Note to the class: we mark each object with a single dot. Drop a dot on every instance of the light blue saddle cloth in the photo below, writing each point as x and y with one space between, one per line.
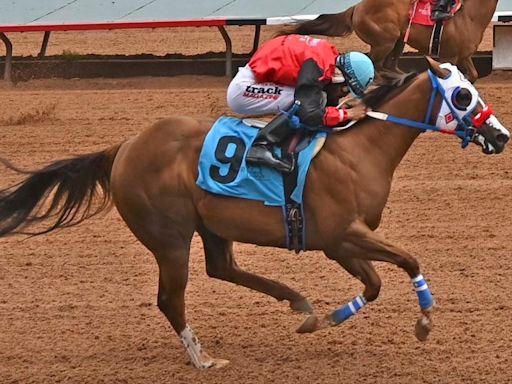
222 167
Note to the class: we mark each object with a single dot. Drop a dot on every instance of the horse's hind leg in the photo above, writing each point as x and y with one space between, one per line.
382 38
167 234
392 59
468 68
173 279
221 264
362 270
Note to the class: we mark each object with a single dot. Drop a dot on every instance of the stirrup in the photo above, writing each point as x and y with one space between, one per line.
261 154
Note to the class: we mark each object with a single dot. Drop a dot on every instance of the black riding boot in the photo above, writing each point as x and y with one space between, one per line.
441 10
261 152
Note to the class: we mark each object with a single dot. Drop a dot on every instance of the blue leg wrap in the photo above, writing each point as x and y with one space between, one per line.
348 310
425 297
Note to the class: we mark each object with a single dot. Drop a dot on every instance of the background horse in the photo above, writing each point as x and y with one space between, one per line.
151 180
382 25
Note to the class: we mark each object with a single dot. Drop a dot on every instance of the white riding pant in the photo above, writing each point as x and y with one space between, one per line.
248 97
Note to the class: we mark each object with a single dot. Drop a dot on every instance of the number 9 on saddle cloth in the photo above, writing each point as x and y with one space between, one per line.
224 171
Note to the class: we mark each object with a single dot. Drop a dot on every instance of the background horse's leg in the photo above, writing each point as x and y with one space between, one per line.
379 53
467 67
363 243
221 264
392 59
381 37
362 270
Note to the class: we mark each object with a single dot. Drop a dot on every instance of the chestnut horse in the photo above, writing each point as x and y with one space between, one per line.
382 24
151 179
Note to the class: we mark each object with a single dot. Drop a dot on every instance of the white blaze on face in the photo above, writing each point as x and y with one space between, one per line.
491 121
494 122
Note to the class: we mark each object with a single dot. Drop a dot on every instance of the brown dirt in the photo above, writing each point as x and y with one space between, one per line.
78 306
187 41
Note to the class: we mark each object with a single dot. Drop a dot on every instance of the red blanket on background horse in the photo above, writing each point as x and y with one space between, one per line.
421 10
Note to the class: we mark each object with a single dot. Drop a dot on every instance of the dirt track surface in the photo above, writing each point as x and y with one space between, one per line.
79 305
187 41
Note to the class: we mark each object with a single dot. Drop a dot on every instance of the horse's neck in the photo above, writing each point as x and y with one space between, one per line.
390 142
480 11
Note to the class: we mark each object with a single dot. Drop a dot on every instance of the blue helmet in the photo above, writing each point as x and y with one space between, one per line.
358 71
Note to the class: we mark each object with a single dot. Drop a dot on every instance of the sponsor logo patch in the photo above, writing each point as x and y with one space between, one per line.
271 92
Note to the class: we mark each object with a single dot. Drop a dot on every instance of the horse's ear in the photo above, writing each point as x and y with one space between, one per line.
436 68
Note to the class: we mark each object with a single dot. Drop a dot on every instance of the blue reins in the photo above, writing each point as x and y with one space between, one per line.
466 134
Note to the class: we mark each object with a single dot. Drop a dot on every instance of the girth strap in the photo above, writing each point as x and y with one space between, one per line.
293 212
435 40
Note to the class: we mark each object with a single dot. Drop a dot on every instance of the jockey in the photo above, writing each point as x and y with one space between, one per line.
302 68
441 10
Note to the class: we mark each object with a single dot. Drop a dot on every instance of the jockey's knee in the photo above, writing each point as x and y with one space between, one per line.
236 105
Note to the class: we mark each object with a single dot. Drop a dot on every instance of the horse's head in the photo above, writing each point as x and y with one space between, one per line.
463 111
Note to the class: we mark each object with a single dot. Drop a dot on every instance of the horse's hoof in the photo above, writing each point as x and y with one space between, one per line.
213 363
302 306
309 325
206 362
219 363
423 328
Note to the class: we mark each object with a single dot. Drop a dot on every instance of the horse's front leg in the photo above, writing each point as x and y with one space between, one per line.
467 67
364 244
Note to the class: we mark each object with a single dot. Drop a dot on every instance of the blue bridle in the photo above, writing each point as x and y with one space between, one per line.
467 131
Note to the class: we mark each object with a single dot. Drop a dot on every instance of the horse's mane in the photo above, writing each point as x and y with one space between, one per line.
391 82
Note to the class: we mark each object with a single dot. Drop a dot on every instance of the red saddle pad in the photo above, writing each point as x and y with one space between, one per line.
421 10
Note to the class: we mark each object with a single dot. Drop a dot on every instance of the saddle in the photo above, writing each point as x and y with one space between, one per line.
223 170
294 144
293 211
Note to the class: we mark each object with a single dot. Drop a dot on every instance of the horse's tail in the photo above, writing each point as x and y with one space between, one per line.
330 24
65 192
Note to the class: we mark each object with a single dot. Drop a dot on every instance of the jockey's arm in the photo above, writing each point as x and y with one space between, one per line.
309 91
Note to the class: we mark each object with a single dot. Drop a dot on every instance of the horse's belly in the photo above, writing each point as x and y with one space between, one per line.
242 220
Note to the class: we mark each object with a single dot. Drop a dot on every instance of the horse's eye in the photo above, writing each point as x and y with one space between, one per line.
461 98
